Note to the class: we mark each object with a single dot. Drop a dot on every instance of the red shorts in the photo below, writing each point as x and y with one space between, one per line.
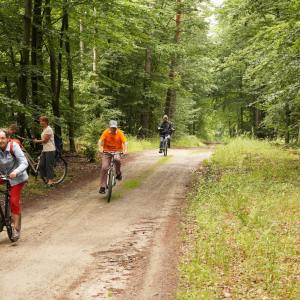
15 194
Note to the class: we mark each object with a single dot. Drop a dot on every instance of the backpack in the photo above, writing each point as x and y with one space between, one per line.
11 144
58 143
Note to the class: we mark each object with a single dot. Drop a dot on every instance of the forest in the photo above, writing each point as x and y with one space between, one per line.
83 63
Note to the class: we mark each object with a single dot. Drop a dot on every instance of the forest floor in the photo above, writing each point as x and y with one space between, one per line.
75 245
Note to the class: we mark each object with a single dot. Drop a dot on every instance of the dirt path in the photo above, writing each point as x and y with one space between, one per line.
77 246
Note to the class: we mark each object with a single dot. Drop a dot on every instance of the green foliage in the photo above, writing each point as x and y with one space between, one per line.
257 67
241 230
90 152
120 88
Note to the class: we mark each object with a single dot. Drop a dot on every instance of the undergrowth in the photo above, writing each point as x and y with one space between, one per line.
241 230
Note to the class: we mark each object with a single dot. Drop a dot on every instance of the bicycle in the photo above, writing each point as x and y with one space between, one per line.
111 173
60 165
165 144
6 219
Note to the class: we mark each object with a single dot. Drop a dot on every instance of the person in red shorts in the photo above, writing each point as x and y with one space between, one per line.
13 163
113 140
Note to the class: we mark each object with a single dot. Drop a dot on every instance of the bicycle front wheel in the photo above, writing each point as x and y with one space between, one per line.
165 148
110 185
60 170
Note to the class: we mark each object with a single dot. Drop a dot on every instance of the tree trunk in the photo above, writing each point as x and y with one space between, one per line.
171 93
71 88
170 100
24 63
36 57
242 119
257 113
95 64
287 124
144 114
145 108
56 100
81 42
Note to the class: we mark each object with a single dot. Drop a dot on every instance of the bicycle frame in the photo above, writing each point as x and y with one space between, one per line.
34 165
111 173
166 139
111 170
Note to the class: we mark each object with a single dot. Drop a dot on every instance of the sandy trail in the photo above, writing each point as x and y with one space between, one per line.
75 245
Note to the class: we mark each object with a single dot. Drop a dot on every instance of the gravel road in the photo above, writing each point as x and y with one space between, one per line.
75 245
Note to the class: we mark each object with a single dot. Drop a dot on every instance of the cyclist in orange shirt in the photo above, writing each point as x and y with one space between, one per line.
113 139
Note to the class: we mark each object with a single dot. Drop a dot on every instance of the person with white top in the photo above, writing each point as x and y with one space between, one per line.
46 166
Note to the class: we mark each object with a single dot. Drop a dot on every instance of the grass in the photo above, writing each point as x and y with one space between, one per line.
136 145
241 231
188 141
131 184
165 159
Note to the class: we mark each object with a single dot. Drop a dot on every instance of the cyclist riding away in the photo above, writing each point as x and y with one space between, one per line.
113 138
165 127
14 164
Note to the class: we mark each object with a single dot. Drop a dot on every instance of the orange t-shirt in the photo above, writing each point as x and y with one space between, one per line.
113 141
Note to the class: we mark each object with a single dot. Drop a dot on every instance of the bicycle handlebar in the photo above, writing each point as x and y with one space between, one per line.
5 177
113 153
24 139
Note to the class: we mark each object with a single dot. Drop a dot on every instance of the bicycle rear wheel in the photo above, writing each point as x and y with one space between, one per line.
110 185
60 170
165 148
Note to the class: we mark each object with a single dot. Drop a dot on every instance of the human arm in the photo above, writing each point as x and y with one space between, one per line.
43 141
172 127
159 126
125 148
20 157
100 149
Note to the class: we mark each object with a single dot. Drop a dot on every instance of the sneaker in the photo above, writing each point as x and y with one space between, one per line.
102 190
119 177
15 234
160 151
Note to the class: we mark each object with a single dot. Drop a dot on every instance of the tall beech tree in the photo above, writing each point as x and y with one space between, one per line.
24 63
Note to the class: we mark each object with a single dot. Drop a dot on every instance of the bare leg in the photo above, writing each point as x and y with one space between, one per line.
16 221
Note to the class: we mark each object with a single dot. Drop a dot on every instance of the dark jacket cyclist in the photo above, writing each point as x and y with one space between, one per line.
166 127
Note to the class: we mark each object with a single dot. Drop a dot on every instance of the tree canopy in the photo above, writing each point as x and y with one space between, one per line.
84 62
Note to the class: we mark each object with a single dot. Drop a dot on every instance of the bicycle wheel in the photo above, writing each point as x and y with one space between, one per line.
110 185
60 170
165 148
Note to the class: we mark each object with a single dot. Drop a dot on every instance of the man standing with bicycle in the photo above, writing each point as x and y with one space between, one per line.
165 127
113 140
